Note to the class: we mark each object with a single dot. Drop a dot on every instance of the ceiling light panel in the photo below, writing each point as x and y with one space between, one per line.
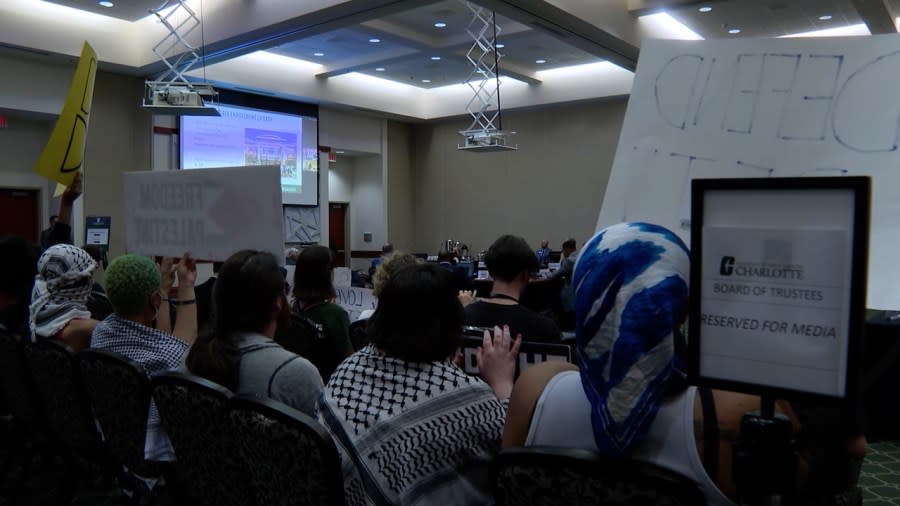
773 18
128 10
343 46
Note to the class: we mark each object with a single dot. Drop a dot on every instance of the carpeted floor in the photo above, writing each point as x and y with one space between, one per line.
880 478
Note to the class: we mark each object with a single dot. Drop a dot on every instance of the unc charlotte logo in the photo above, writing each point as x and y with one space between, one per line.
726 266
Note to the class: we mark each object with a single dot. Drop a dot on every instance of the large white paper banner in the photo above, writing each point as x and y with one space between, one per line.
210 213
763 108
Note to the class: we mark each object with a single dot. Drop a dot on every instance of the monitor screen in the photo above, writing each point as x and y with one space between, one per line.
243 136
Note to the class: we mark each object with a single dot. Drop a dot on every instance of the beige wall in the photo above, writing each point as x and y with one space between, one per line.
21 144
551 188
118 141
400 186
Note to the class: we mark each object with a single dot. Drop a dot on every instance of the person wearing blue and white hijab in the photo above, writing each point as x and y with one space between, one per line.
628 397
59 297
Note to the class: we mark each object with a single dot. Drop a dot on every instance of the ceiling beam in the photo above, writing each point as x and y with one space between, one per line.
877 14
516 72
568 28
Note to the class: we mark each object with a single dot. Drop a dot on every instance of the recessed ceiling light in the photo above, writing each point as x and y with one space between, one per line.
541 61
318 54
379 69
105 3
499 45
426 80
339 152
826 17
374 40
435 58
705 8
734 31
440 24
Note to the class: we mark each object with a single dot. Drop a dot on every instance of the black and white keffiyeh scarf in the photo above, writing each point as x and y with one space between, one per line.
411 433
61 289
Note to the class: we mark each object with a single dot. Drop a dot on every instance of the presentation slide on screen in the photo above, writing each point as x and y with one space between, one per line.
246 137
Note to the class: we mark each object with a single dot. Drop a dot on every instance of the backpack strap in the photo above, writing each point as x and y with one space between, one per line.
275 373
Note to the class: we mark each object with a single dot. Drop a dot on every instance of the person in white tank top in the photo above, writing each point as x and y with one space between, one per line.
628 398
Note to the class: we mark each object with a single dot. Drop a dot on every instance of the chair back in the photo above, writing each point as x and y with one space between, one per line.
15 383
291 458
99 306
62 397
194 412
119 392
561 476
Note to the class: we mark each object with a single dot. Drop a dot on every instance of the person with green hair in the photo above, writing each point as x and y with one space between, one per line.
138 290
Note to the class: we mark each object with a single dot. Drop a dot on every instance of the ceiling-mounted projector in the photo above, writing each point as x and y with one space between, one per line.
485 141
179 99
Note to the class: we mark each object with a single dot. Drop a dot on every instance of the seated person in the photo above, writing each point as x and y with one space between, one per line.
543 253
566 308
510 262
313 296
386 250
240 353
632 296
392 264
411 426
19 261
60 294
135 288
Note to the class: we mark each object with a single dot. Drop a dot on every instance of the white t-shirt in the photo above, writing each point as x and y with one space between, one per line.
562 417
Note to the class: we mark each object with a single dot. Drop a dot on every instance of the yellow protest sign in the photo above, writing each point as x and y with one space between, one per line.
63 155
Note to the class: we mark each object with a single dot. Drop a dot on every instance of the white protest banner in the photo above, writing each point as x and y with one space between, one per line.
210 213
762 108
355 300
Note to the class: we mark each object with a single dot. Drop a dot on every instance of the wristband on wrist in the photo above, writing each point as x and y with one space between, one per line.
176 302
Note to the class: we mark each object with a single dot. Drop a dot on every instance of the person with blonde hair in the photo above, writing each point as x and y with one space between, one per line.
391 265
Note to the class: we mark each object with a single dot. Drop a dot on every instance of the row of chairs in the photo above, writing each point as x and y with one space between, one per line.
92 408
242 450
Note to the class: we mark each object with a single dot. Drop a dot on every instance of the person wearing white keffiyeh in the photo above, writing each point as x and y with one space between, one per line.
59 297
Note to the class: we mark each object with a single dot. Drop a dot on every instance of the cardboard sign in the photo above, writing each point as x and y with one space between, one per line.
211 213
759 108
529 354
62 158
355 300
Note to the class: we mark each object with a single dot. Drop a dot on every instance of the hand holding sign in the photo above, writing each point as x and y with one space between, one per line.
497 360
